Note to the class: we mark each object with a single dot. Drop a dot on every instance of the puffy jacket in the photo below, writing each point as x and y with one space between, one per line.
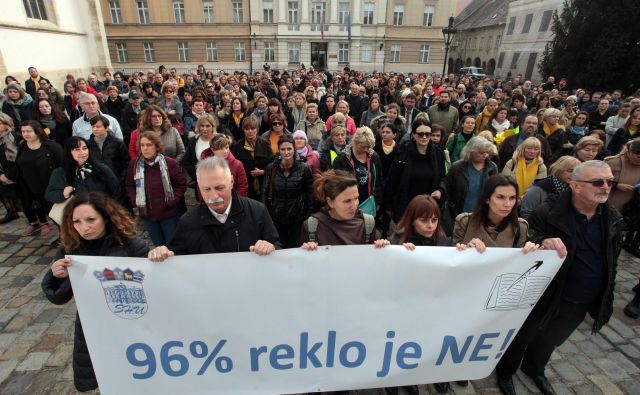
554 218
59 292
113 154
288 198
157 208
199 232
101 179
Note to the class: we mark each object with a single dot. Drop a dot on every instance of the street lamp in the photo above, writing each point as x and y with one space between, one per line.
448 33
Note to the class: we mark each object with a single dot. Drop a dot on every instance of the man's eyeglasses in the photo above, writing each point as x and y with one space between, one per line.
600 183
423 134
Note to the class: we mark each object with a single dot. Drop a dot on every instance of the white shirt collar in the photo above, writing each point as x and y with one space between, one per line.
222 217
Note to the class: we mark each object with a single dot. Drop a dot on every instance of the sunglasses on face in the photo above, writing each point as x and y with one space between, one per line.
600 183
466 107
277 124
423 134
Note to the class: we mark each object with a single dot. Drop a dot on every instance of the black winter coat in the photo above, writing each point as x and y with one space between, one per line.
199 232
59 292
344 161
101 179
115 107
456 185
128 120
262 156
289 199
114 154
555 218
396 191
33 175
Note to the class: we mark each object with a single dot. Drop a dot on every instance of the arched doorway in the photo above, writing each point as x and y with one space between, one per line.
491 67
477 62
467 62
484 65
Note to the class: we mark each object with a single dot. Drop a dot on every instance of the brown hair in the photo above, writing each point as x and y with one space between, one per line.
332 183
421 206
118 223
152 137
219 141
249 122
146 118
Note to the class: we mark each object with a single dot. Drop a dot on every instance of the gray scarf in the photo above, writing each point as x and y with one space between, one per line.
49 122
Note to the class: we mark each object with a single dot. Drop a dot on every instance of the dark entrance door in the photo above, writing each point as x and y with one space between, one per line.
319 56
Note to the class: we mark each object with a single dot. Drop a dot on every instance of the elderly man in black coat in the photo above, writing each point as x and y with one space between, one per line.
223 222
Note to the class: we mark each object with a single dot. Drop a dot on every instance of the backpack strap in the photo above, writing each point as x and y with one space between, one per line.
369 226
312 227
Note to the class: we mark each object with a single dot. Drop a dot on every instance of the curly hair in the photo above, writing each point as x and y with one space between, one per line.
146 118
117 221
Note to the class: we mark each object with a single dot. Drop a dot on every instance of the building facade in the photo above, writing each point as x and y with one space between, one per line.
397 35
527 32
480 28
55 36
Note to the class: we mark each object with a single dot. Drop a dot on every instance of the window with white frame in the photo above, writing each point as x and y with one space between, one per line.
424 54
318 15
149 52
240 52
368 13
344 10
178 12
143 11
366 53
343 53
212 51
183 51
116 13
35 9
267 11
269 51
121 50
237 11
293 50
293 15
395 53
427 20
398 14
207 11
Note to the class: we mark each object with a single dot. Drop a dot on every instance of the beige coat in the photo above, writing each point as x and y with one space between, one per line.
463 232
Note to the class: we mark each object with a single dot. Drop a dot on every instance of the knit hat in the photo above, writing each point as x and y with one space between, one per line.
300 133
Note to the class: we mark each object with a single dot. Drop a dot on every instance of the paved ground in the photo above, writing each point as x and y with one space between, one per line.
36 337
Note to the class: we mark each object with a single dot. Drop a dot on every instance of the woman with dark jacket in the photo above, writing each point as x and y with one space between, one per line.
255 154
205 131
55 124
233 120
630 131
418 169
9 143
108 149
463 185
155 185
36 160
363 162
327 107
114 104
17 104
80 172
92 225
287 192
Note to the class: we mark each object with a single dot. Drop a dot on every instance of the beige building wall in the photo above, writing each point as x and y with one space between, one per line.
163 33
66 38
478 47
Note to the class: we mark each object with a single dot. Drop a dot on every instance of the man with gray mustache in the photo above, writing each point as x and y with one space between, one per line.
223 222
582 226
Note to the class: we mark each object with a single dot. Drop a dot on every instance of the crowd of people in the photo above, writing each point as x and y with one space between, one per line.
307 158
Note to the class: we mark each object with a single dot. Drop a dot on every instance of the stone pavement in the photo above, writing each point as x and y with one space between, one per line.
36 337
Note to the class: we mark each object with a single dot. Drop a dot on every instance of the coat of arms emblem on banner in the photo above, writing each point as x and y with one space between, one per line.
123 292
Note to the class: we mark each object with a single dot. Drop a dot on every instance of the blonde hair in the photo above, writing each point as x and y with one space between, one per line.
589 140
364 135
339 117
563 164
527 143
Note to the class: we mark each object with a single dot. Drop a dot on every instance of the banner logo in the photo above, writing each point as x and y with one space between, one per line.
123 292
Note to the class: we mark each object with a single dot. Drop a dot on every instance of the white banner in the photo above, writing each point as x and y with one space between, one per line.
297 321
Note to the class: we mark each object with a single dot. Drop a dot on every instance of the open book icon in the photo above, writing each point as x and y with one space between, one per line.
512 291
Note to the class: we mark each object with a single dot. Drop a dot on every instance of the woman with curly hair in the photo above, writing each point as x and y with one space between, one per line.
94 225
155 119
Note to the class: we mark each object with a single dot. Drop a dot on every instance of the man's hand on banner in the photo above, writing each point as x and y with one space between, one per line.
554 244
262 247
159 254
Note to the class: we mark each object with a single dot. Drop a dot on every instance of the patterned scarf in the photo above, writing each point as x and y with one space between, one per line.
558 186
84 171
141 196
8 140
